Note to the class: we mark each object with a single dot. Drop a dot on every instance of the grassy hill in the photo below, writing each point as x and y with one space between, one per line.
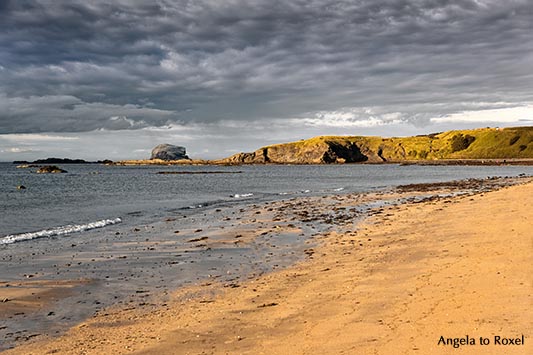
484 143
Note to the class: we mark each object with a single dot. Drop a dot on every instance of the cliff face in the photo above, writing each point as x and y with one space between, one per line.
318 151
486 143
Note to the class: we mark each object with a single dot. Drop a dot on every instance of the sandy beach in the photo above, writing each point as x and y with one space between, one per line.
394 282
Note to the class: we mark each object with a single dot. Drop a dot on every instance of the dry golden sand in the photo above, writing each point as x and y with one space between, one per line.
408 276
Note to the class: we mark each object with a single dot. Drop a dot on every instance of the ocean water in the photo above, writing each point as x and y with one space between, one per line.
93 196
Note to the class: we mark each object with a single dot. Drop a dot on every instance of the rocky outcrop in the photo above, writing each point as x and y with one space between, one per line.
169 152
50 169
314 151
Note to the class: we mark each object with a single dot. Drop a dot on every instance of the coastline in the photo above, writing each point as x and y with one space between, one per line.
368 288
454 162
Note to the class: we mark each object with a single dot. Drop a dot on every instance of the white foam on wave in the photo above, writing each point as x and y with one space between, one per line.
63 230
242 195
339 189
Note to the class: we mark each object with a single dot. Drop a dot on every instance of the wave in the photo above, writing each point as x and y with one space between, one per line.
63 230
192 207
242 195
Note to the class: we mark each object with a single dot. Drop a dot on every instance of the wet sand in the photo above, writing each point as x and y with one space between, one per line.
436 265
49 285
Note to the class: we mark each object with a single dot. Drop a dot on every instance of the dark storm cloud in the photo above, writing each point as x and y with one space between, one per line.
70 66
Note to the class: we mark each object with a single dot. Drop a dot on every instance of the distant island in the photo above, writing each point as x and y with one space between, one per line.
169 152
475 146
62 161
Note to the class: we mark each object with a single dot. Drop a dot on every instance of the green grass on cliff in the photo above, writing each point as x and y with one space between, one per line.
484 143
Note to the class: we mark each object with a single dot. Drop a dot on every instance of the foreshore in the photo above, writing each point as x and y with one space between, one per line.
451 260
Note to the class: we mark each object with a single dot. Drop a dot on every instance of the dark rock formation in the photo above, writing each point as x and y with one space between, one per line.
47 169
169 152
305 152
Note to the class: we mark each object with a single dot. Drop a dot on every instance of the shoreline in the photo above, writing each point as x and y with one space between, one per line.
436 162
213 296
219 162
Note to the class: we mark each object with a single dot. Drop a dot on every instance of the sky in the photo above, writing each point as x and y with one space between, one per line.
96 79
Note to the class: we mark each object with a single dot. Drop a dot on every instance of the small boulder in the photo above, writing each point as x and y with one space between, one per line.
50 169
21 187
169 152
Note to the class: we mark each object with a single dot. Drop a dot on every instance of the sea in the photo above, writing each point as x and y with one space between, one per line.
91 196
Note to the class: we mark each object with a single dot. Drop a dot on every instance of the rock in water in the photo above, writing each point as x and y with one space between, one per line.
50 169
169 152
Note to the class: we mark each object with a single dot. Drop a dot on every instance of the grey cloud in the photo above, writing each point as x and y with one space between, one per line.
70 66
54 113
